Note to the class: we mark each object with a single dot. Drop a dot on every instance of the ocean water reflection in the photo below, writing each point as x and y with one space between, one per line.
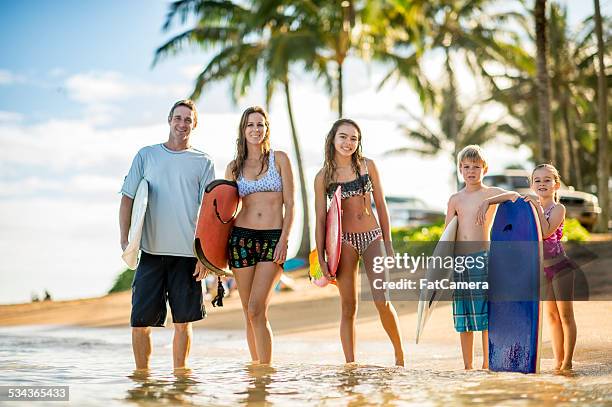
97 365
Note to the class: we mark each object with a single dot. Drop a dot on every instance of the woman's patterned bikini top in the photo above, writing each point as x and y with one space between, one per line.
271 182
359 186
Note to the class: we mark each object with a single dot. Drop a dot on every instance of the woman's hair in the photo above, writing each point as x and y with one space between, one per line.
556 177
329 165
241 149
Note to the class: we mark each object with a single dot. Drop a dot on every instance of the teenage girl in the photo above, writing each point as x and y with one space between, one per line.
363 237
258 241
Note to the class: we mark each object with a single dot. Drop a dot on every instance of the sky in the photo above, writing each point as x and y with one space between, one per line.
79 97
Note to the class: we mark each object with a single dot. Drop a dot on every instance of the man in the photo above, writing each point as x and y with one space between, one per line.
177 175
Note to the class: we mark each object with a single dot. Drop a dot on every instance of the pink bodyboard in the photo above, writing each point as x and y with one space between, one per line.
333 232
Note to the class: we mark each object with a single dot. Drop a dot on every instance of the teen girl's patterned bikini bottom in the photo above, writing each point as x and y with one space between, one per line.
362 240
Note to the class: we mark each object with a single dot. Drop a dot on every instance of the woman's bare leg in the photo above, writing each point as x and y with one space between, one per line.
386 311
244 281
346 279
266 276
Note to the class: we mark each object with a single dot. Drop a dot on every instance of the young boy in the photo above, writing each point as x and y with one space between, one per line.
475 216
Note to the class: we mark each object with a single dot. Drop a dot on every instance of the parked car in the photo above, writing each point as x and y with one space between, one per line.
579 205
411 211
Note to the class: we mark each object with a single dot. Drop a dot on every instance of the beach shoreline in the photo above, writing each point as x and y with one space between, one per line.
312 314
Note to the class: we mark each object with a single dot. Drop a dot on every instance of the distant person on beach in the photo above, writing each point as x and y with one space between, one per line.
470 308
177 175
558 268
363 237
259 238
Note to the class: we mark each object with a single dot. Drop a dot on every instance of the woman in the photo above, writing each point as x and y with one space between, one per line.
362 235
258 242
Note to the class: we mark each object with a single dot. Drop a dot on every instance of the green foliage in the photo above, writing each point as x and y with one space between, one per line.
573 231
417 239
123 282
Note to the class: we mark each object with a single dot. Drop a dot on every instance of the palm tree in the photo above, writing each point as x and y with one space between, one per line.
329 24
262 37
573 78
602 114
543 83
465 31
471 128
566 94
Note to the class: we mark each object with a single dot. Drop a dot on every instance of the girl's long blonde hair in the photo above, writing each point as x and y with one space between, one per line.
556 177
241 149
329 165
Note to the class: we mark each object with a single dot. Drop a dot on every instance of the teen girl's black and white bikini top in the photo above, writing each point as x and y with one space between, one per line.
359 186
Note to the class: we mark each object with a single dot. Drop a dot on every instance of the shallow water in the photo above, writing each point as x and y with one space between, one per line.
97 364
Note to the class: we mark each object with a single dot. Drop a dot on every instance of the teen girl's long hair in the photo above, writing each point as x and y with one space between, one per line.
241 148
556 177
330 165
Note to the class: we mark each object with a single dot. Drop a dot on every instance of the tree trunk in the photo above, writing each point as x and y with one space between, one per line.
543 84
304 249
603 170
563 156
340 90
568 122
453 126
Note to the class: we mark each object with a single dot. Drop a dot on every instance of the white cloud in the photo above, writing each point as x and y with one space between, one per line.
190 72
57 72
8 78
100 87
96 87
10 117
105 93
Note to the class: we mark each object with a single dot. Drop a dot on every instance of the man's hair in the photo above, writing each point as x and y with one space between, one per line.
472 152
188 103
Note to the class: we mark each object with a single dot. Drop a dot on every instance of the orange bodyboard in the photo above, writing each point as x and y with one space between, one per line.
219 208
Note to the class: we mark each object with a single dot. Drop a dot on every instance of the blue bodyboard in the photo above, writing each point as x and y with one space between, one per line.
515 273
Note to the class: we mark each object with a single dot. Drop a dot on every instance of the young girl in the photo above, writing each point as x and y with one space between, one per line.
258 242
362 235
559 270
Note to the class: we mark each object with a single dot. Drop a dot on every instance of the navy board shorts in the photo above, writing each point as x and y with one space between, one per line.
160 279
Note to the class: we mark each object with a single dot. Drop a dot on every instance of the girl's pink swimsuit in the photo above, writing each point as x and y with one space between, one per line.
553 250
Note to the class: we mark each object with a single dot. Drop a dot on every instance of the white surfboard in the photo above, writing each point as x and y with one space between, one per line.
131 255
429 298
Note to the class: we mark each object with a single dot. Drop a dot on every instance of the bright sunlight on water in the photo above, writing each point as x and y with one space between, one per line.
97 365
